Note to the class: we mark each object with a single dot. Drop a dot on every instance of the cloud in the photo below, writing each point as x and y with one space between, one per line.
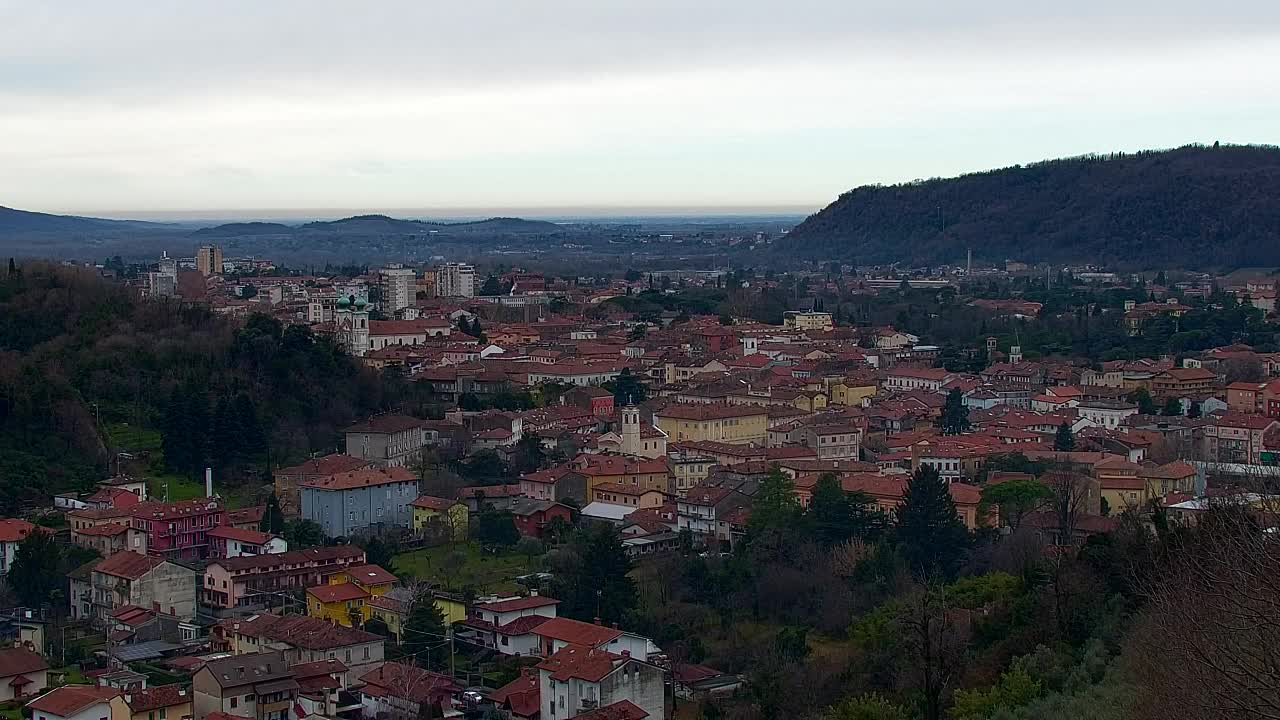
569 102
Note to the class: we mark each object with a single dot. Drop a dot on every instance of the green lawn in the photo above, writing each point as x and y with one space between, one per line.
486 572
180 488
73 675
124 437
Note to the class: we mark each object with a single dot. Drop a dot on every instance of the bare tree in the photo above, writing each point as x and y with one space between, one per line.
934 636
1208 644
1073 496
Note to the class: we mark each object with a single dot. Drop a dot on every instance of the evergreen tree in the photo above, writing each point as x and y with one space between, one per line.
931 533
13 267
496 529
226 440
34 575
1142 398
424 633
596 582
1194 411
1064 440
775 506
377 552
272 518
628 389
829 518
955 414
1172 407
251 441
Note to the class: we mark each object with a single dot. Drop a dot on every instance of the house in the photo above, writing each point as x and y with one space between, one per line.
22 673
618 493
1119 484
255 685
386 440
698 682
12 532
246 518
645 473
393 608
592 398
531 516
555 483
508 625
905 378
320 684
347 593
241 582
162 702
110 538
287 480
1104 413
303 639
560 632
1234 438
1246 397
353 502
1178 382
735 424
703 511
178 530
578 681
400 691
519 699
79 702
447 518
128 578
229 542
832 442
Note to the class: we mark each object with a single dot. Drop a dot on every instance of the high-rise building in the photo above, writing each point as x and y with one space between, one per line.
456 280
163 282
397 288
209 260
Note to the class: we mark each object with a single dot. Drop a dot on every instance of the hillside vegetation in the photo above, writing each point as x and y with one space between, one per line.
1190 207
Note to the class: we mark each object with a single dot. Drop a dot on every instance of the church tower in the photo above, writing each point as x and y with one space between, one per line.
351 319
630 430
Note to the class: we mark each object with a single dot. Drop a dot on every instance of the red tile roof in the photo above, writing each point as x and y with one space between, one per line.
430 502
128 565
579 662
522 695
16 661
252 537
337 593
305 632
160 696
366 477
621 710
369 575
708 411
379 424
322 555
71 699
576 632
327 465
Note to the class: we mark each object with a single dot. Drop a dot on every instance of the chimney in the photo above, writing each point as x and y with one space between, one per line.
533 592
208 482
597 621
128 698
626 653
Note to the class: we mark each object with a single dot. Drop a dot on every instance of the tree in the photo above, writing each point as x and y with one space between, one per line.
491 286
955 414
272 518
378 552
1015 499
865 707
835 517
425 631
592 576
628 389
496 529
13 267
775 509
928 527
1194 411
1064 440
35 574
302 534
528 454
1142 397
1172 407
1071 493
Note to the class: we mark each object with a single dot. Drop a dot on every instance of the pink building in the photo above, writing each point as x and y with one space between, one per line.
178 530
242 581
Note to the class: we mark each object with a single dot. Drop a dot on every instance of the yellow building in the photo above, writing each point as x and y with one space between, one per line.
635 472
851 392
796 320
347 594
810 401
393 609
429 511
734 424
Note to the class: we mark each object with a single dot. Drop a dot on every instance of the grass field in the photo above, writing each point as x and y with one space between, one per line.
486 572
123 437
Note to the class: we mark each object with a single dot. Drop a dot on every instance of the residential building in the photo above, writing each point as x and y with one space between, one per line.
798 320
343 600
12 532
209 260
704 511
147 581
508 625
162 702
288 479
178 530
79 702
577 681
1177 382
357 501
648 474
532 516
398 290
734 424
446 518
257 685
110 538
22 673
456 280
230 542
631 496
387 440
1247 398
1104 413
242 582
832 442
905 378
396 691
1232 438
303 639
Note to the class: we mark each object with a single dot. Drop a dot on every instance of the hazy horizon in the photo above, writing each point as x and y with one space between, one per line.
140 107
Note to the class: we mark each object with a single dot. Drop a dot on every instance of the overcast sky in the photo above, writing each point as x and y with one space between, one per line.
127 105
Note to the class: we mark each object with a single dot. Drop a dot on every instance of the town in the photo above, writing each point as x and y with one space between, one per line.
650 495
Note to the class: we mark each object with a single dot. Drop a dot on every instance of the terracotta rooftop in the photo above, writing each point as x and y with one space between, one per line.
515 604
576 632
380 424
71 699
579 662
128 565
365 477
341 592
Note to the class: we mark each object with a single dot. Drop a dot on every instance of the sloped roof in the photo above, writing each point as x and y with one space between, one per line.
128 565
16 661
576 632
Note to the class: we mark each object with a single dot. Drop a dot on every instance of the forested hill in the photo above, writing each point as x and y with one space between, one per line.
1192 207
80 357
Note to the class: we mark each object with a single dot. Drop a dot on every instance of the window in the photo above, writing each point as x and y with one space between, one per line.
235 702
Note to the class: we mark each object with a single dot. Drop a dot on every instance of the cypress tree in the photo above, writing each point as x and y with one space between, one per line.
1064 440
932 535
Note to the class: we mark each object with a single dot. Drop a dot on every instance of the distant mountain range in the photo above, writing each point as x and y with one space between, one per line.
24 221
1194 207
